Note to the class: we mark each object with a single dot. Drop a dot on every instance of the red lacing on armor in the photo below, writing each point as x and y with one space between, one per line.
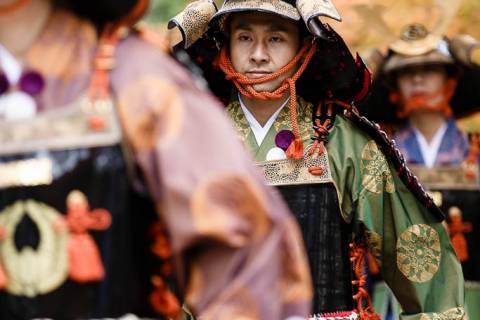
320 137
104 63
245 87
357 257
104 59
162 299
321 131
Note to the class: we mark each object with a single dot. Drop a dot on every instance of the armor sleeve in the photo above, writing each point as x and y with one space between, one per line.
237 251
409 243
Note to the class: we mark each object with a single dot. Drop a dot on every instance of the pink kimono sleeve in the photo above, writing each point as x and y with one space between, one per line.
237 251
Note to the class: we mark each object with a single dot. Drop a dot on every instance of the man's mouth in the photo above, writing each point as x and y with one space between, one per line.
418 93
256 74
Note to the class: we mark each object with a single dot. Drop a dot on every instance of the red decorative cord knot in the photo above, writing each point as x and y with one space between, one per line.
316 171
320 134
246 88
295 150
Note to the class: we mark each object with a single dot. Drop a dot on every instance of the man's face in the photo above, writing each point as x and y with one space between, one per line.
261 44
421 81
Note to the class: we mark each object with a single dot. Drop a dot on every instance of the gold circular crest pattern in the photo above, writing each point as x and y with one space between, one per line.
376 175
419 253
32 272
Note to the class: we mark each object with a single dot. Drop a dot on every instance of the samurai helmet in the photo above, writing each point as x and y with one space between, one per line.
200 15
331 71
417 46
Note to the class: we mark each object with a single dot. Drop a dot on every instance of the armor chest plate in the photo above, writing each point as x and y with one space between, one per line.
69 246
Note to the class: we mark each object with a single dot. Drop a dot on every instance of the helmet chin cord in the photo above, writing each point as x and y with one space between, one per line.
245 87
439 101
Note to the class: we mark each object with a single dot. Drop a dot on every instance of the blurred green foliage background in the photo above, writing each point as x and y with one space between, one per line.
162 10
372 23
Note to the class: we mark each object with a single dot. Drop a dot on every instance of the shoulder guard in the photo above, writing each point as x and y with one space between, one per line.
396 158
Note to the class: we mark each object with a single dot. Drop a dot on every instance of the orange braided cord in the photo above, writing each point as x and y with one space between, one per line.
321 129
12 7
245 87
245 84
358 253
439 101
104 62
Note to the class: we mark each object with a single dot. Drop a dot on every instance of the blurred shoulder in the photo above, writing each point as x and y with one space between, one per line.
147 53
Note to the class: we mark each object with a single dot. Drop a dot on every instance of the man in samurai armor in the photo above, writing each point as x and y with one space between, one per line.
102 135
422 86
290 85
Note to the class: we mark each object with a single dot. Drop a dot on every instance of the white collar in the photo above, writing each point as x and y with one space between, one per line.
10 65
14 104
430 151
260 132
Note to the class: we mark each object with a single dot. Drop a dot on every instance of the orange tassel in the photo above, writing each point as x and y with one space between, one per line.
295 150
163 301
3 278
364 302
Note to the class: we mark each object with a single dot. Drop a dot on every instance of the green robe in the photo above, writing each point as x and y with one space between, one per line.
411 247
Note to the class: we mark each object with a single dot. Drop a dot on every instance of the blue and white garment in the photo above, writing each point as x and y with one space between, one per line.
451 150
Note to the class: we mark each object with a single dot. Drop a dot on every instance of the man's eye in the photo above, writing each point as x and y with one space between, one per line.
276 39
244 38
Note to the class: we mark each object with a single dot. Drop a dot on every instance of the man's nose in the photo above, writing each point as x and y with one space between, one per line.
418 77
259 54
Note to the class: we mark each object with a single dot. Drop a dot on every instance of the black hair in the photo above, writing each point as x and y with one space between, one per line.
452 71
222 27
98 11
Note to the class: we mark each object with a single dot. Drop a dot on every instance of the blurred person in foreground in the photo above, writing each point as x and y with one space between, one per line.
290 85
422 84
118 173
